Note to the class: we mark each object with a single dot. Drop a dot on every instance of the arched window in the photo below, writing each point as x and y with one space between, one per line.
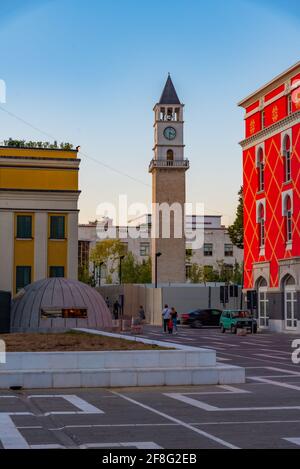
290 302
261 170
261 226
170 155
162 114
287 158
262 296
288 219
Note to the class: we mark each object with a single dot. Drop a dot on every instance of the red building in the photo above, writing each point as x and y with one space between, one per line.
271 172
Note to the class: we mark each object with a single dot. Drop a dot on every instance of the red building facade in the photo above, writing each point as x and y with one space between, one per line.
271 174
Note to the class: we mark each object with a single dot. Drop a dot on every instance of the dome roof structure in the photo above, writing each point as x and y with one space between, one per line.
58 304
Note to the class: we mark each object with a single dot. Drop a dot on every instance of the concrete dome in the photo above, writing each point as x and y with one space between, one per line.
57 304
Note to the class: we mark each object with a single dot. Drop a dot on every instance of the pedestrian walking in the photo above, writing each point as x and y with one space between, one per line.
174 316
107 302
166 313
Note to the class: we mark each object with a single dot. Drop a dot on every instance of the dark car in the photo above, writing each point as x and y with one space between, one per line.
202 317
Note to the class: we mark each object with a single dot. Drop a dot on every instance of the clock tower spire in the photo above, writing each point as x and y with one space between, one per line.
168 169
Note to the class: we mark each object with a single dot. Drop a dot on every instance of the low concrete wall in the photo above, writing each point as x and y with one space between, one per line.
116 369
189 297
108 360
134 296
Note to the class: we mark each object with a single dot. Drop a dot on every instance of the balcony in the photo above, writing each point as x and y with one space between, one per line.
164 164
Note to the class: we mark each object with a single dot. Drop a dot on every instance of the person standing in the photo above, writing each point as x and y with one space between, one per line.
174 316
166 313
107 302
142 315
116 309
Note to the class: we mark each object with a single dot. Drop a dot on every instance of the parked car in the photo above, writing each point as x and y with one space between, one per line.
202 317
231 320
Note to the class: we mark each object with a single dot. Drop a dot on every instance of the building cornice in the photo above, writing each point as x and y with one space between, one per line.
289 260
35 158
39 191
7 147
40 210
277 81
32 166
270 131
166 145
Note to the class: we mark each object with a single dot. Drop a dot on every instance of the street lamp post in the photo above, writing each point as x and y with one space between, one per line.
157 255
120 269
94 274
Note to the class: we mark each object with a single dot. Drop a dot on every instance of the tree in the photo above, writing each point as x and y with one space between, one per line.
134 271
237 273
196 273
129 271
145 271
108 252
209 274
225 273
236 230
84 275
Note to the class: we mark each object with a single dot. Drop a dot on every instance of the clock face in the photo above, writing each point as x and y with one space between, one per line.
170 133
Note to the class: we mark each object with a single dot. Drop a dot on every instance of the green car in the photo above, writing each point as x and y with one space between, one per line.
232 320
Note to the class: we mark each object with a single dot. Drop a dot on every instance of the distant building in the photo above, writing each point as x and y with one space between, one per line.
38 215
217 247
271 161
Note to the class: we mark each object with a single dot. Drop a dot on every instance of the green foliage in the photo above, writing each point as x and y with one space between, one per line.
85 277
188 254
135 272
109 252
210 275
196 273
225 273
238 274
236 230
31 144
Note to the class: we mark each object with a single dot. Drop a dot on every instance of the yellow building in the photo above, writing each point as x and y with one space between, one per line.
38 215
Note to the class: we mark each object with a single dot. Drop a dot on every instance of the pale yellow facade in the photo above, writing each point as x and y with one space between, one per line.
38 215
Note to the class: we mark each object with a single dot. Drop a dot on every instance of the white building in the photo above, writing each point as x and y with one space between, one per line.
216 249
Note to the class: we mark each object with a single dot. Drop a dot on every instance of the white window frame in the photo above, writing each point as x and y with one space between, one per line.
290 290
260 165
287 133
261 225
288 215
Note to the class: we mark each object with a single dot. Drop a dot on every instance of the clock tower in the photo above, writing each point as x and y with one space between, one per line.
168 169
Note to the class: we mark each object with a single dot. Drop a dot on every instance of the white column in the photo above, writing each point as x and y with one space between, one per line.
72 272
6 251
40 245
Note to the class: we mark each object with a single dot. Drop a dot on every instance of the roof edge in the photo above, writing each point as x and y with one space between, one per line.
255 94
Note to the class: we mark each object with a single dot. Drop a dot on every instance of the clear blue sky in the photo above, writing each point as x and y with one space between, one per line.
89 72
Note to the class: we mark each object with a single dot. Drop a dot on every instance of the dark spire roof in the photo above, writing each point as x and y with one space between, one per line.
169 95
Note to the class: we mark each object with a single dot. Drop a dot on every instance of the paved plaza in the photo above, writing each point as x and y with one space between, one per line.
263 413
